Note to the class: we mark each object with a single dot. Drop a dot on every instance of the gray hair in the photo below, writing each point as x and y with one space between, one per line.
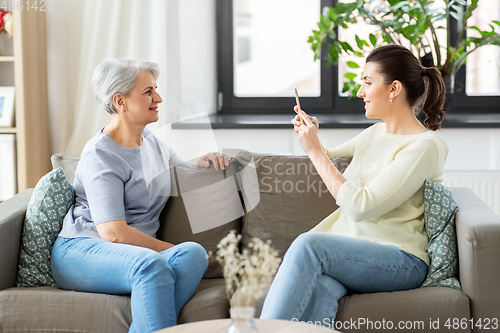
114 76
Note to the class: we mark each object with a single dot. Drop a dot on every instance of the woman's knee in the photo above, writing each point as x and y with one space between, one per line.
197 254
303 241
152 264
306 246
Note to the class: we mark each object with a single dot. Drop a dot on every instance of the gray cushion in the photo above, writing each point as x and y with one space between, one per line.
439 216
67 163
51 199
293 198
50 309
421 304
413 307
204 206
92 312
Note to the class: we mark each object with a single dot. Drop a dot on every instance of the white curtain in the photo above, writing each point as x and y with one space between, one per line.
177 34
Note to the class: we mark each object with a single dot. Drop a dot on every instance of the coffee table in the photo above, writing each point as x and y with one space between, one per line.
263 326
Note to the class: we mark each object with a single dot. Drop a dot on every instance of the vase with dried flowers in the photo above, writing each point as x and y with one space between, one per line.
6 27
248 274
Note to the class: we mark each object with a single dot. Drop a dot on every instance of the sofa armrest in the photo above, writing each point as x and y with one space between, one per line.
478 236
12 214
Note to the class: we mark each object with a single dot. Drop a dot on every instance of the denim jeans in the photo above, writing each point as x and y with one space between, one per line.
160 284
319 268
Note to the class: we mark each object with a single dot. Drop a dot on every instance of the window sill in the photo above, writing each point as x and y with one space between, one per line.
341 121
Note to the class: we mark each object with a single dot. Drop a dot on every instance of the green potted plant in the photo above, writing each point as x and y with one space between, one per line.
413 23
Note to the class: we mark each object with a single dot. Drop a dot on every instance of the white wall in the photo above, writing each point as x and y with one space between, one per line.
474 153
7 166
470 149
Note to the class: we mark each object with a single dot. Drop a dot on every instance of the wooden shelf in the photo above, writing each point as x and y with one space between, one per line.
8 130
7 58
31 101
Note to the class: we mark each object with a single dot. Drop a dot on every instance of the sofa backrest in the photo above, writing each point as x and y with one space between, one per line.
271 197
67 163
293 198
12 213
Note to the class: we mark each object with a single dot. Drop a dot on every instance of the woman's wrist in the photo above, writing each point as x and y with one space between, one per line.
328 172
317 153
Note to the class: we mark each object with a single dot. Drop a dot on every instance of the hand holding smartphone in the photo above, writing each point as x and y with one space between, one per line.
297 99
312 119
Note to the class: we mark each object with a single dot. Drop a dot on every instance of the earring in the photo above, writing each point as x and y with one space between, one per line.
390 101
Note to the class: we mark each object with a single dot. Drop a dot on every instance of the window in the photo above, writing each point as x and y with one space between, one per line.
477 86
483 65
263 54
270 53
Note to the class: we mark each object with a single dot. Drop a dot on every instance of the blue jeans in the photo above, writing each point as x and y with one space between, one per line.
160 284
319 268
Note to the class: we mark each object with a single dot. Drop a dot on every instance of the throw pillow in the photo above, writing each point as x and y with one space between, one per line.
51 199
439 216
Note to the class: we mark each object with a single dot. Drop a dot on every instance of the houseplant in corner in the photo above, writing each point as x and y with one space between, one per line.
413 23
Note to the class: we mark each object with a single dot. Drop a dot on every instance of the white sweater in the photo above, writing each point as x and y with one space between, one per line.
383 198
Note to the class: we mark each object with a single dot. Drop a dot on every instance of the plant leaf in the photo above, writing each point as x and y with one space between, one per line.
347 47
350 76
359 42
352 64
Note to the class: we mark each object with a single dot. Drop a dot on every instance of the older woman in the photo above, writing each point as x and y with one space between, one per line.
107 243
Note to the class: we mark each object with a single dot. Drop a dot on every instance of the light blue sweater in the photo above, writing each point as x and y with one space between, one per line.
113 182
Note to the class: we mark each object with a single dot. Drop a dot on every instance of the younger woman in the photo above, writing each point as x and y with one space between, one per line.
375 241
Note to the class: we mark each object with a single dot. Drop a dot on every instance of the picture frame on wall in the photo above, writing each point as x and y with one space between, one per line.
7 106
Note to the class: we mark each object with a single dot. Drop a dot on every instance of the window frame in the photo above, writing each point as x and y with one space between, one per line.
329 101
460 101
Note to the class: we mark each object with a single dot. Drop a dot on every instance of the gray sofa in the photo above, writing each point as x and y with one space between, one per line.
289 199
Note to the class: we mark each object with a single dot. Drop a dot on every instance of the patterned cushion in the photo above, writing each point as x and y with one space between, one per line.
51 199
439 216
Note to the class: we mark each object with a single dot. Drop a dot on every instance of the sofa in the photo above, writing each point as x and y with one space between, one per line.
273 197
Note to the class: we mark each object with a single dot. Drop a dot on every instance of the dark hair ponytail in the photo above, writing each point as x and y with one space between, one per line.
396 62
434 101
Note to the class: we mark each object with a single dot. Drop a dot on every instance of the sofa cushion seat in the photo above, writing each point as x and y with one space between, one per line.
408 307
73 311
62 311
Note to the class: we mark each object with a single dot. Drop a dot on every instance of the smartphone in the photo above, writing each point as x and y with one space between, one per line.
297 99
